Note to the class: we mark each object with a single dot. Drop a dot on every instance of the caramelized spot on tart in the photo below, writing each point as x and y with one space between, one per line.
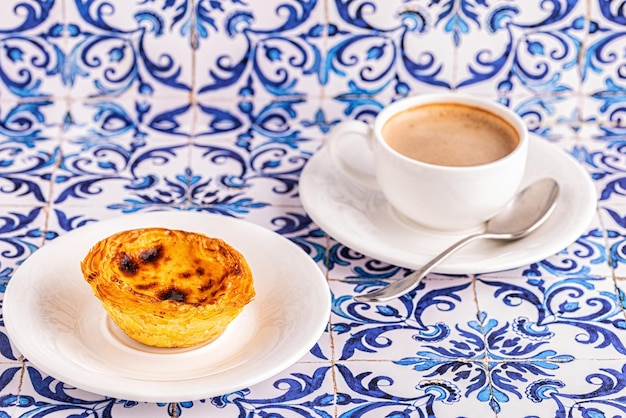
146 286
151 255
173 294
127 265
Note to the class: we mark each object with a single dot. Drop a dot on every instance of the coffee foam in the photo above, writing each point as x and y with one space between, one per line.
450 134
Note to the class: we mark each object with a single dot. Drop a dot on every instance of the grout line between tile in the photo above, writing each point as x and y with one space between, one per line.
609 261
581 60
325 43
332 363
331 341
194 76
20 382
486 360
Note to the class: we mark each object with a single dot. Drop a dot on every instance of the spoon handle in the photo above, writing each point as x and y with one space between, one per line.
410 282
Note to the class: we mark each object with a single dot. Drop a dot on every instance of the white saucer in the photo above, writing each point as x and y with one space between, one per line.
57 323
361 218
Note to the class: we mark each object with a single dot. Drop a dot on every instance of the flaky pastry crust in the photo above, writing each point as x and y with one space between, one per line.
169 288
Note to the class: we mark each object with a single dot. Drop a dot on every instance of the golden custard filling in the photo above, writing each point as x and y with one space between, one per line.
169 288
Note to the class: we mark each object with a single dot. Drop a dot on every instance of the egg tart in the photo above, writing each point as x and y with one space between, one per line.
169 288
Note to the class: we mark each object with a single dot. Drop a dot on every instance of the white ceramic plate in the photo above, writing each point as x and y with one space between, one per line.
361 218
56 322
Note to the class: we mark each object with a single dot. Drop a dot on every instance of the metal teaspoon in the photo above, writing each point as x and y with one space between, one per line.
525 213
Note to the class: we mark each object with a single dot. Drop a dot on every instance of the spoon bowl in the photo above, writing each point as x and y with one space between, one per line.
528 210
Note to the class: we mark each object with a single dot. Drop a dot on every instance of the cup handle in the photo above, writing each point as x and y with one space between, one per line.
362 131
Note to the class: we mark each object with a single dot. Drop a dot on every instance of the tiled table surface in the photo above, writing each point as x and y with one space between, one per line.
113 107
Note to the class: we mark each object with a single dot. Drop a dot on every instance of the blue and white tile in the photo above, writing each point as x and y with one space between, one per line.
485 57
226 120
345 263
301 390
218 181
607 134
263 154
617 247
567 130
585 256
531 49
269 49
614 220
402 388
386 50
126 174
436 322
102 119
221 177
304 388
10 356
63 218
350 107
578 388
551 320
602 71
251 125
115 47
44 396
605 107
31 37
29 122
27 65
22 232
553 118
26 171
66 217
24 15
605 162
11 386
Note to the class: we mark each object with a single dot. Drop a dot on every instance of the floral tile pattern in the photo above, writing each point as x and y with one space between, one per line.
392 389
111 107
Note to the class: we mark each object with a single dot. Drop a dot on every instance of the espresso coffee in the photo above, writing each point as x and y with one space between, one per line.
450 134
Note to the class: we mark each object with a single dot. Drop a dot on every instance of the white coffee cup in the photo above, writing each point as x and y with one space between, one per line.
438 194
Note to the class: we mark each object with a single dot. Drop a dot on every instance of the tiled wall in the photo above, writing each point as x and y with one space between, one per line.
154 58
